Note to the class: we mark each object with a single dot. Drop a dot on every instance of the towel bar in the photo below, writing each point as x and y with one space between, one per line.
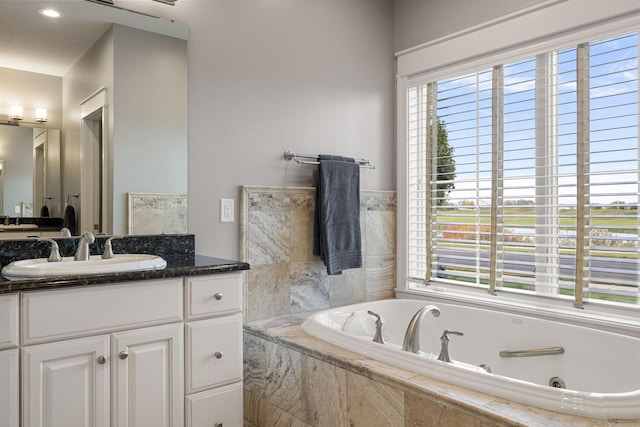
308 159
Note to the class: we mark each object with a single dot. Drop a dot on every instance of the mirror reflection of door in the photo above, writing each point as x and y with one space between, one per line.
93 163
1 185
39 177
92 185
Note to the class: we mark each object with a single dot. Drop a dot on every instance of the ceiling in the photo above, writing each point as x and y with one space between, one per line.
32 42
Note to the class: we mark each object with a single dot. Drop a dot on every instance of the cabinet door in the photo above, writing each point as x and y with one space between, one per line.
9 388
220 407
66 384
214 352
148 379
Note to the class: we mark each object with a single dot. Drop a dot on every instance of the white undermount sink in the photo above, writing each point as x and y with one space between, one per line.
121 263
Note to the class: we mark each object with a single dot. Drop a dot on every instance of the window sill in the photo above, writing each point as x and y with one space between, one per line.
610 317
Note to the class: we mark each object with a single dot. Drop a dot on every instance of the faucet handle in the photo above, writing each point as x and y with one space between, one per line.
378 337
108 249
54 255
444 339
447 332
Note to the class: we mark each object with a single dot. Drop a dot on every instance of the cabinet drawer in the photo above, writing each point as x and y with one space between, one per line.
49 315
8 321
214 295
219 407
214 352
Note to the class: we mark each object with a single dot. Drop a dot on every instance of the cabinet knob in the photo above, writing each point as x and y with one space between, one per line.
218 296
218 354
123 355
102 360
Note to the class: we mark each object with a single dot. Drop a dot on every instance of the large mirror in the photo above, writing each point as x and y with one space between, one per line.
135 155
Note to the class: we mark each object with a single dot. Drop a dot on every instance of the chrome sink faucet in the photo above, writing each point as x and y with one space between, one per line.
83 251
412 336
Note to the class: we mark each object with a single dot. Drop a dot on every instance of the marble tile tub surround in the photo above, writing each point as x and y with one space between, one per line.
162 245
294 379
277 241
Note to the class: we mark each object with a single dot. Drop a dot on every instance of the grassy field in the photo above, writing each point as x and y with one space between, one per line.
615 220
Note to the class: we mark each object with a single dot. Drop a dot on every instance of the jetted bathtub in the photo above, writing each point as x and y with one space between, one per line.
589 373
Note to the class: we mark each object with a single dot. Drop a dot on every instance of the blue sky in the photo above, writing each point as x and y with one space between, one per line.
464 104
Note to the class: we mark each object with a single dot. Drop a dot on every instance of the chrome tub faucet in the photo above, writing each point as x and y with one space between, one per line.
412 336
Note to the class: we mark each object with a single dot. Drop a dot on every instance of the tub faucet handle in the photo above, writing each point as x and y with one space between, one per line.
444 340
378 337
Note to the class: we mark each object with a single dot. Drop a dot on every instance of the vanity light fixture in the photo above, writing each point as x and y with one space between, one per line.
41 115
16 112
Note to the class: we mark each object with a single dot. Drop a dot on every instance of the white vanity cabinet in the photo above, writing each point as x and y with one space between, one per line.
129 355
213 341
9 366
66 383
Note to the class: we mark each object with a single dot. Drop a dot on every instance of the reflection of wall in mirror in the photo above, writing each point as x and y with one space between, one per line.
16 150
30 90
147 102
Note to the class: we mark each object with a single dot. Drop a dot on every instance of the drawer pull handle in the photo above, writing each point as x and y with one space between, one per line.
218 296
218 354
218 425
123 355
102 360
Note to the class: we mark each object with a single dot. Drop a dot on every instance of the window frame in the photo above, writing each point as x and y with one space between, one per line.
433 62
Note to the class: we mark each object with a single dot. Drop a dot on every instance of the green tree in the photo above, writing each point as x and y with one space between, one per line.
446 168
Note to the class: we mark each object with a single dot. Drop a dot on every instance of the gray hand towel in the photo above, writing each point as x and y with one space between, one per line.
69 220
337 236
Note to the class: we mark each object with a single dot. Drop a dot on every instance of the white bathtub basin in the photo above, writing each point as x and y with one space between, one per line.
122 263
599 368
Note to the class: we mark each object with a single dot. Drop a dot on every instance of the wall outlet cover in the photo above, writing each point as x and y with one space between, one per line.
226 210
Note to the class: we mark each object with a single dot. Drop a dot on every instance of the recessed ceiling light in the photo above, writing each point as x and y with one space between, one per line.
50 13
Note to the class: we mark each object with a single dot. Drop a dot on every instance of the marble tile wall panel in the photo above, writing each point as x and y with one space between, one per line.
156 213
277 240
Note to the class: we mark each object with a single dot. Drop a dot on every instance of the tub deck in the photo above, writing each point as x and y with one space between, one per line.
424 401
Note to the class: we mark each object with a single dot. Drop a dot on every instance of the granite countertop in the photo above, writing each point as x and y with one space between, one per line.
177 266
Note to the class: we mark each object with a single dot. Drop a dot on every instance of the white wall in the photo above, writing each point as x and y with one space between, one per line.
16 149
264 76
420 21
